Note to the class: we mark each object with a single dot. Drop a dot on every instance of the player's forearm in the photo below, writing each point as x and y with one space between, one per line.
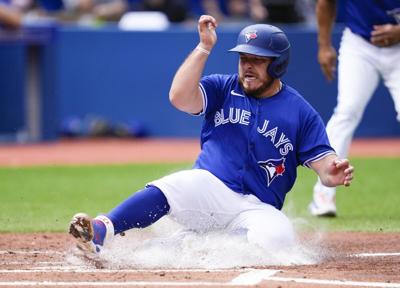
326 15
325 180
333 171
184 93
323 167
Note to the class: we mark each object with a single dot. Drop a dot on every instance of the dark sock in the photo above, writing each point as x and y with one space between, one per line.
99 232
140 210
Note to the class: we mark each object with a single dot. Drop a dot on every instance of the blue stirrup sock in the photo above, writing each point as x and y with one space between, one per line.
140 210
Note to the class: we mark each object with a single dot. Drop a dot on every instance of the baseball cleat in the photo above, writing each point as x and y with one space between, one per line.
323 205
92 234
326 211
81 228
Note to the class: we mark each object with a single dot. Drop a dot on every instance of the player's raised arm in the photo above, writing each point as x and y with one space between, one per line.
9 17
333 171
185 93
326 14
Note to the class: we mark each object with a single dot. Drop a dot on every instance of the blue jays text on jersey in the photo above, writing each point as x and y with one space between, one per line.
255 145
237 115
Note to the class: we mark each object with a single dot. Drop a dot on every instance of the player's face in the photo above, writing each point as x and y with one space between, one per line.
253 74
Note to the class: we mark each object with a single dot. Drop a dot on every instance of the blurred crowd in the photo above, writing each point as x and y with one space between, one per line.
15 13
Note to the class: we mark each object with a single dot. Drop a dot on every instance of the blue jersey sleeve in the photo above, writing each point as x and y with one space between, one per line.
213 89
313 141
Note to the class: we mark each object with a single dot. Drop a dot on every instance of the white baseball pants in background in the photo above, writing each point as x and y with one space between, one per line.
361 65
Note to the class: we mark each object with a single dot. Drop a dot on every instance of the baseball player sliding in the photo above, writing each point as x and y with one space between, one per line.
369 51
256 131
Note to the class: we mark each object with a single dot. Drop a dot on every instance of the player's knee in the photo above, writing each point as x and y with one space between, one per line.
273 237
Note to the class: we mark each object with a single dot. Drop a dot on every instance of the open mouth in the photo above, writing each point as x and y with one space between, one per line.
249 77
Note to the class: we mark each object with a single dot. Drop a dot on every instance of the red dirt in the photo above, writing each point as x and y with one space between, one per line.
117 151
100 151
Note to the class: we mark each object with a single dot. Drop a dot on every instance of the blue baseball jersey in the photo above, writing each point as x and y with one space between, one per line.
361 15
255 145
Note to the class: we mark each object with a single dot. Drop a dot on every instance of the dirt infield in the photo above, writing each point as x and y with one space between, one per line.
119 151
41 259
100 151
354 259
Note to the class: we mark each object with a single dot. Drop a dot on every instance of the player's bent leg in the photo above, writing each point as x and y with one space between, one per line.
268 228
199 200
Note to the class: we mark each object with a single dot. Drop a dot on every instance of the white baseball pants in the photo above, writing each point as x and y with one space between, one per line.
360 67
200 201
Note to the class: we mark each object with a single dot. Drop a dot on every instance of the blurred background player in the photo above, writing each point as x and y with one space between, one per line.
177 11
103 10
369 50
12 13
94 12
256 131
231 11
18 13
255 11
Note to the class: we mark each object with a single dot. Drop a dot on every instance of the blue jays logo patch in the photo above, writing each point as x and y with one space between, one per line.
250 36
273 168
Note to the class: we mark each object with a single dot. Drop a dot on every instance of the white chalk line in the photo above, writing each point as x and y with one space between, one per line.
249 278
377 254
253 277
245 279
83 269
334 282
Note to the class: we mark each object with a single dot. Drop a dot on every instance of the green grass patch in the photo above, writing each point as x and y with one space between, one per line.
45 198
371 203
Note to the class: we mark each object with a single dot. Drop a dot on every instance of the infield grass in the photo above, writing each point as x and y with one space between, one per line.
45 198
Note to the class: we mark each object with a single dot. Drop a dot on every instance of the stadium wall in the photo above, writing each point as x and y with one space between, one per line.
124 77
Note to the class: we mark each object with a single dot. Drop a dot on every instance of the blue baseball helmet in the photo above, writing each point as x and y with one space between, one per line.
268 41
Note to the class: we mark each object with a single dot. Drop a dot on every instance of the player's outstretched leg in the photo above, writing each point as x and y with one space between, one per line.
140 210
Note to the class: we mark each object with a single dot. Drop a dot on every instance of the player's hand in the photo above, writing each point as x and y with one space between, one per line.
206 26
385 35
327 60
340 172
